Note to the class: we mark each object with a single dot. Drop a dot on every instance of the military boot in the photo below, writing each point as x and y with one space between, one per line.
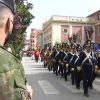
86 92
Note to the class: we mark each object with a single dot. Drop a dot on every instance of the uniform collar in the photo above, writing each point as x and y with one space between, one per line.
2 47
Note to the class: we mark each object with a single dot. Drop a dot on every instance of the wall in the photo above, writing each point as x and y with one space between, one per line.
56 33
77 30
64 37
47 35
97 37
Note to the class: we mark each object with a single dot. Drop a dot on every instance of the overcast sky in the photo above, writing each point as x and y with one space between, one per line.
46 8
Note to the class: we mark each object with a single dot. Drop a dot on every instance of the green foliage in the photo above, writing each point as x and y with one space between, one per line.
89 31
70 39
12 48
23 19
74 37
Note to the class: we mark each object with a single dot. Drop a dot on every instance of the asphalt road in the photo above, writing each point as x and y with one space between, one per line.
48 86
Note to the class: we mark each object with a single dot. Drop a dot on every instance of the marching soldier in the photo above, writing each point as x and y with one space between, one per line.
60 64
98 61
94 61
77 70
85 61
56 58
44 57
53 58
51 62
61 61
96 72
64 59
70 56
48 56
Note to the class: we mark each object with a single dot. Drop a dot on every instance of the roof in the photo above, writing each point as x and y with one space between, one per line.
93 13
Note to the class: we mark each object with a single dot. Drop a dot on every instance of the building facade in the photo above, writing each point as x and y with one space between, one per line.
26 45
96 16
39 40
33 38
58 28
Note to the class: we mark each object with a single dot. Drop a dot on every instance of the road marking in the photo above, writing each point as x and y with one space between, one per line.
36 72
97 80
96 87
47 87
70 87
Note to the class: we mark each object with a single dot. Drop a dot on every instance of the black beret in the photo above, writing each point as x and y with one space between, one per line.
9 3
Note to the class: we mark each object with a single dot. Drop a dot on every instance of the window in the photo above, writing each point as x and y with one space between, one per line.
33 40
65 31
33 36
99 32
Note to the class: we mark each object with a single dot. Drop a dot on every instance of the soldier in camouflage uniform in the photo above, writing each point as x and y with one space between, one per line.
12 78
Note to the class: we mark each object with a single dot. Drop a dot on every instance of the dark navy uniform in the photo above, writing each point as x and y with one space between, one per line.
70 57
65 60
97 66
60 65
85 61
53 59
56 58
77 69
94 56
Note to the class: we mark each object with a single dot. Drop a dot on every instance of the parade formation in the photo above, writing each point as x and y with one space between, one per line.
81 62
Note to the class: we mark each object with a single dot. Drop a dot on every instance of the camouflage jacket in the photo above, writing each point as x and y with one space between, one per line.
12 78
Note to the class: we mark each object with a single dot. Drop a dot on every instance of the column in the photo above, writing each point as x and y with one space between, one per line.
82 42
43 38
70 30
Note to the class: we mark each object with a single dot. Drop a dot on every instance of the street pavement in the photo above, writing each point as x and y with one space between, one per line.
48 86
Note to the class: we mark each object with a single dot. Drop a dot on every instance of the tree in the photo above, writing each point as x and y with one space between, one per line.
22 19
89 31
74 37
70 39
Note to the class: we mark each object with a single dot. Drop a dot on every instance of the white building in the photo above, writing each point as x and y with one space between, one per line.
58 28
39 40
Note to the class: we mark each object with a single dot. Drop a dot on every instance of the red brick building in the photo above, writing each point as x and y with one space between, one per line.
33 38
